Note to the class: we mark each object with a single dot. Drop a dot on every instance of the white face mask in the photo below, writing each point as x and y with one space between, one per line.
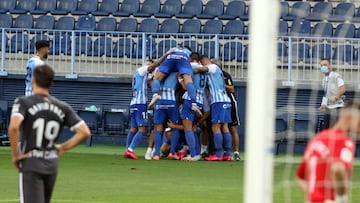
324 69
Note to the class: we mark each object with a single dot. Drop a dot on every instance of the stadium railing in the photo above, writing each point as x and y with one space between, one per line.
117 54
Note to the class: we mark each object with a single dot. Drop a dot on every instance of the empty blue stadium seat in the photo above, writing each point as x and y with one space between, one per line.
150 48
127 8
213 8
343 11
246 54
304 126
191 26
345 30
284 9
191 9
65 23
300 27
165 45
61 43
300 52
91 117
44 7
19 43
65 7
234 9
6 20
116 120
83 45
193 44
208 48
86 23
107 7
5 42
245 16
127 25
232 51
123 47
344 53
282 53
85 7
212 27
24 6
102 46
37 37
283 28
149 25
298 10
320 11
45 22
7 5
170 26
148 8
23 21
234 27
320 51
169 9
356 18
106 24
322 30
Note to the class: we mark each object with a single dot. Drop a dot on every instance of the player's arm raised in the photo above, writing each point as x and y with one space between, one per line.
201 69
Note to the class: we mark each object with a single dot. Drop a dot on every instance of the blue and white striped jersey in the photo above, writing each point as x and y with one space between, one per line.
181 50
139 85
199 81
30 66
168 87
217 85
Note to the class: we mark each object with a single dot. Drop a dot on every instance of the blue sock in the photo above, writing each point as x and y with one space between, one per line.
158 142
155 88
190 88
174 141
218 141
197 144
190 139
129 138
136 140
227 143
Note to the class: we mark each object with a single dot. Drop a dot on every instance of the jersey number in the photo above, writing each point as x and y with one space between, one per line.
49 130
202 80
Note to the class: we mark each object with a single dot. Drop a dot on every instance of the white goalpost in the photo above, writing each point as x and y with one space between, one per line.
261 88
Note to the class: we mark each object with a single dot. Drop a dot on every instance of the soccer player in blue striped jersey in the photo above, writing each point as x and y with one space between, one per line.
138 106
166 109
220 110
177 61
42 52
187 115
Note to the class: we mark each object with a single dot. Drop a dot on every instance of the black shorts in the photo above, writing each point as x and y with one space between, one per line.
234 112
35 187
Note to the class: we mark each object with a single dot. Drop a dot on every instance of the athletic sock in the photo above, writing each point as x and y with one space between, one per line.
129 138
158 142
148 150
197 144
227 143
190 139
190 88
136 140
174 140
155 88
203 148
218 140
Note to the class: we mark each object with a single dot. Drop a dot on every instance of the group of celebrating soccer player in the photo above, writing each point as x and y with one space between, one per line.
187 89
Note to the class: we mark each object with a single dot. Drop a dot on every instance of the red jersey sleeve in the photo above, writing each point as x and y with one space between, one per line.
301 170
344 153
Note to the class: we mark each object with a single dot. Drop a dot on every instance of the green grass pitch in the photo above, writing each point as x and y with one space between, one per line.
99 174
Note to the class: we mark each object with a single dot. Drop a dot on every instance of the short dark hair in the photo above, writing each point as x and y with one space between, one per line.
44 76
204 57
195 56
150 60
325 59
41 43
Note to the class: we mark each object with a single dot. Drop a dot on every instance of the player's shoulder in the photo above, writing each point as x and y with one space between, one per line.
58 102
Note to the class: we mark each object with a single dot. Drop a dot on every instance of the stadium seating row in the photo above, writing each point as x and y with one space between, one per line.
298 27
192 8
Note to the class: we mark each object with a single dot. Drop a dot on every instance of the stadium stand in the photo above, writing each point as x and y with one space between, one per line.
213 8
123 47
7 5
298 10
65 23
127 25
23 21
106 24
193 44
191 26
282 53
320 11
234 27
191 9
300 28
106 8
232 51
35 38
148 8
345 30
208 48
45 22
281 127
283 28
150 48
165 45
170 26
344 53
19 43
212 27
83 45
169 9
6 20
64 7
149 25
234 10
44 6
300 52
284 9
85 7
343 11
24 6
102 46
127 8
116 120
321 51
322 29
86 23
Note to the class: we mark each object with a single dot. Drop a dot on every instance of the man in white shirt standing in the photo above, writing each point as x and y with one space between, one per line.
42 52
334 90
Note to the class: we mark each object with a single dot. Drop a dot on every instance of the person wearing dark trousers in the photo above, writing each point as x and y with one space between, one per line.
334 90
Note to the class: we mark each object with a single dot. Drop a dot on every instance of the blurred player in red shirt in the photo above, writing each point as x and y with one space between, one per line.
324 174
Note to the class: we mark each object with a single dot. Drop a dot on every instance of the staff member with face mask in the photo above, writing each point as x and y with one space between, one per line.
334 90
